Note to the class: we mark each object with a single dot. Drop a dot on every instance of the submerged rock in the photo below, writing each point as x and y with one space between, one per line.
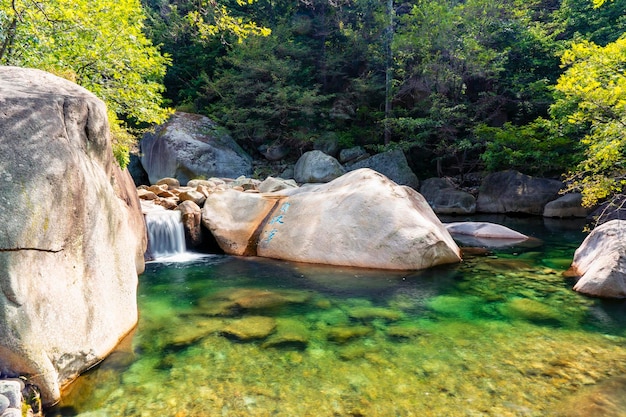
600 261
531 310
343 334
607 399
250 328
73 236
289 333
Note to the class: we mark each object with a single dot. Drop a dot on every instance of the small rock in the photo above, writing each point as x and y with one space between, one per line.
170 182
192 195
250 328
146 194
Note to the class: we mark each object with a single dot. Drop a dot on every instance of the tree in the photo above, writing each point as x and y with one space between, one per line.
99 45
591 95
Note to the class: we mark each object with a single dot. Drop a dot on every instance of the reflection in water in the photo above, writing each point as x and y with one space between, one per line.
501 334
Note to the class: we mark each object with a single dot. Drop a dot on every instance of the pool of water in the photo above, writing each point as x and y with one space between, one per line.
501 334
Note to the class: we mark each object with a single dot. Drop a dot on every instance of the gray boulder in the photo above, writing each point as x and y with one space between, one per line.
600 261
191 146
392 164
316 166
352 155
514 192
444 198
568 205
72 238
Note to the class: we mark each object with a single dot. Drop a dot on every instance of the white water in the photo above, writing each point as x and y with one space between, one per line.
166 235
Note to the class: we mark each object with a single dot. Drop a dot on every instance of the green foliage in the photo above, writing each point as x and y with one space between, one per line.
536 148
592 97
99 45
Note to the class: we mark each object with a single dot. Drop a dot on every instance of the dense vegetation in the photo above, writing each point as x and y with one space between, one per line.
536 85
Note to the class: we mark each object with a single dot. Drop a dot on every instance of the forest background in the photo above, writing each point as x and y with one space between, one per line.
460 86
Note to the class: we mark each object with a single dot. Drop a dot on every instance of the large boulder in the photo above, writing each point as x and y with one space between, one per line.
192 146
600 261
444 198
392 164
514 192
72 238
568 205
316 166
360 219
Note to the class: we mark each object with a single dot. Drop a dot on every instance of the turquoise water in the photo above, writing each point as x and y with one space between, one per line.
501 334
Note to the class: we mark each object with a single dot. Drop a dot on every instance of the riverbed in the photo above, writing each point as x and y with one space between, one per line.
501 334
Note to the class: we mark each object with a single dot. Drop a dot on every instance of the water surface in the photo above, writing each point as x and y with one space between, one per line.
501 334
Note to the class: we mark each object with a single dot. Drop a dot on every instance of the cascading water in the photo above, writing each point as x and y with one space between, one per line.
166 235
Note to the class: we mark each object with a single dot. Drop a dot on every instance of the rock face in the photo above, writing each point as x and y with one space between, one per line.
600 261
72 237
190 146
392 164
316 166
513 192
360 219
445 199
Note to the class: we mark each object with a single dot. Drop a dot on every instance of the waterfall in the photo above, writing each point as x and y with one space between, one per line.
166 235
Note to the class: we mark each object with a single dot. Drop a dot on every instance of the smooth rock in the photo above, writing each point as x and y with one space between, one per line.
73 236
600 261
191 216
12 390
234 219
190 146
568 205
392 164
12 412
271 184
316 167
513 192
361 219
289 333
170 182
4 403
192 195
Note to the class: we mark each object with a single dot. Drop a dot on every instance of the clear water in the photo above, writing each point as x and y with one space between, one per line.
501 334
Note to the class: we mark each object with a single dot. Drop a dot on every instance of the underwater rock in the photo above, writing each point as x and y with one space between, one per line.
250 328
188 334
372 313
343 334
404 332
289 333
227 302
600 261
607 399
531 310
